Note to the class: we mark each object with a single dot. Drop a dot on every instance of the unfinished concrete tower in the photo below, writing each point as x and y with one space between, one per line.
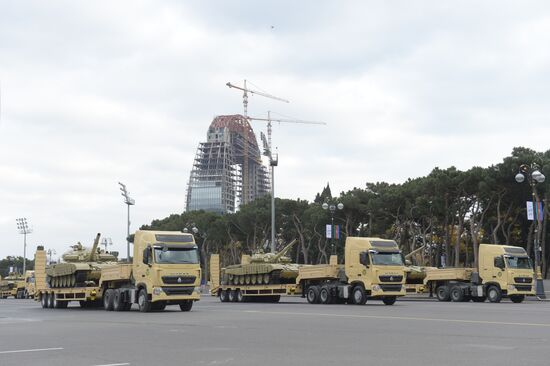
227 169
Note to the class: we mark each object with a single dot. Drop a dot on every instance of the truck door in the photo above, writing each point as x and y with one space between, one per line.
499 271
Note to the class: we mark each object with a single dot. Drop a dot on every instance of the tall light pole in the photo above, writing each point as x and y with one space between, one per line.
534 176
332 208
24 229
129 202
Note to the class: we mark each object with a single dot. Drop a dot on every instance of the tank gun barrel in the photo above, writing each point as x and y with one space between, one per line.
93 253
284 250
409 256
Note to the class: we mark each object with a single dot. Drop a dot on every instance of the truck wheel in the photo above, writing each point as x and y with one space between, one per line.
479 299
275 298
51 300
324 295
143 302
44 300
456 294
158 306
108 299
443 293
223 296
118 303
517 298
241 297
389 300
313 294
186 305
232 296
358 295
494 294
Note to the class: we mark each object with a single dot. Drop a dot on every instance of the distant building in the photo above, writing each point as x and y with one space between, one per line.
227 170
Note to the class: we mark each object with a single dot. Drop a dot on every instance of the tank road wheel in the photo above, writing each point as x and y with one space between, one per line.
389 300
51 300
443 293
44 300
186 305
247 279
517 298
324 295
108 299
143 301
253 279
494 294
456 294
73 281
232 295
358 295
312 294
224 296
241 280
118 303
235 280
260 279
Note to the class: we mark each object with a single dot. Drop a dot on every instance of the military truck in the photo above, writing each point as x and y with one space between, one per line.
30 287
373 269
165 271
504 271
12 285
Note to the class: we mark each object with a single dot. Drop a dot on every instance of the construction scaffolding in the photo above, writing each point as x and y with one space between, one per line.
227 170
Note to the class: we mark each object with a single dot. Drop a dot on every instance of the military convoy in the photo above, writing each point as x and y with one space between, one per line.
165 271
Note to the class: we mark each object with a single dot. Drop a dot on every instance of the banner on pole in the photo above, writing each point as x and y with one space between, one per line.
530 211
337 232
540 212
329 231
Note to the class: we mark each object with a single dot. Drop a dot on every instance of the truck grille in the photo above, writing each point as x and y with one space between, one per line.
394 278
178 280
523 279
523 287
391 288
178 290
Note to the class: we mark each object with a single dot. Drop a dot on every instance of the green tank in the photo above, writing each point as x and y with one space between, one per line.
81 266
262 269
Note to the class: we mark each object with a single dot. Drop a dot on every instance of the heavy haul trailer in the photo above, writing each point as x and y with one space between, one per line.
504 271
165 271
373 269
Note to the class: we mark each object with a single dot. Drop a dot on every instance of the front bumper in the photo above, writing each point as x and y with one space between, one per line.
520 289
171 293
380 290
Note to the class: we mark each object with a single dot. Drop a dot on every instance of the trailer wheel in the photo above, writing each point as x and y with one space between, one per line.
232 295
186 305
358 295
223 296
44 300
456 294
443 293
324 295
313 294
51 300
240 296
275 298
108 303
494 294
143 301
517 298
389 300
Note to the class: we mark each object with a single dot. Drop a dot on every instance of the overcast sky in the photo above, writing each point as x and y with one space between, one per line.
97 92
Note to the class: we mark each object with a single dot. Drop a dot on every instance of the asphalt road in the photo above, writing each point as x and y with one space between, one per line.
411 332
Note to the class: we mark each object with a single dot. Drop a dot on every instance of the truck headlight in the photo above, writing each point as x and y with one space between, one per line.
375 288
157 291
197 290
511 287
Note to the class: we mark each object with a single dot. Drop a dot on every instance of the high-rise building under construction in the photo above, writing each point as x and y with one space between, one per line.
227 168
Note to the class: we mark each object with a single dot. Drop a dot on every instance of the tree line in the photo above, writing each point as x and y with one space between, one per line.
447 214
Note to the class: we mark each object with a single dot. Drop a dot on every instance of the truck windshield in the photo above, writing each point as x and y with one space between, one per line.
176 256
387 259
518 262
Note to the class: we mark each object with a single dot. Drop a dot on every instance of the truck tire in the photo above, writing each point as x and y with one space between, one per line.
457 295
358 295
232 296
118 303
479 299
324 295
44 300
389 300
241 297
158 306
313 294
224 297
143 301
494 294
51 300
517 298
186 305
442 292
108 299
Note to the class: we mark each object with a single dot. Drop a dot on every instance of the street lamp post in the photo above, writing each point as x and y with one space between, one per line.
23 227
332 208
129 202
534 176
50 252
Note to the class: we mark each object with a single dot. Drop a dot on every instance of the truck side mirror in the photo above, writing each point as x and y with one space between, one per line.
364 258
499 263
146 256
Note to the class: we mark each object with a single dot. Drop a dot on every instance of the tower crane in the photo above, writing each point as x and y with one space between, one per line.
245 197
274 160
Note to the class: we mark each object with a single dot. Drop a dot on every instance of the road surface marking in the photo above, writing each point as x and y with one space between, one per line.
114 364
32 350
544 325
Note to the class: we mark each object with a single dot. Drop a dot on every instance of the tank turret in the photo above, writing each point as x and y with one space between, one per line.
263 269
81 266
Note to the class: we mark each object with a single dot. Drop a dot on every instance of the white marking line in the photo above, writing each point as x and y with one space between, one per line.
544 325
114 364
32 350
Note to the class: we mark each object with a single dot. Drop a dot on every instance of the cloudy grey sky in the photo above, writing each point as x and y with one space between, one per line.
99 92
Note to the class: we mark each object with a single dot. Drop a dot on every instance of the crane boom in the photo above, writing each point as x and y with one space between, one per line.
246 90
288 121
